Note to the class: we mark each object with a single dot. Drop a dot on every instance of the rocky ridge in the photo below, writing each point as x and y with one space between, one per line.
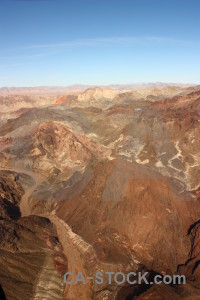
117 173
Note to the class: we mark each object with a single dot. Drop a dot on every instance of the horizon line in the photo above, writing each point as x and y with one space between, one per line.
101 85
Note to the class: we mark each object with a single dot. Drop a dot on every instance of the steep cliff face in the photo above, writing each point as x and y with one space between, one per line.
31 257
191 266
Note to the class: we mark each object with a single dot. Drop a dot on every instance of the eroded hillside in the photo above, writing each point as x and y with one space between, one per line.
100 179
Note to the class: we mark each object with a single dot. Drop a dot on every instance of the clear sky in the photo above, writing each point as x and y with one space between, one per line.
64 42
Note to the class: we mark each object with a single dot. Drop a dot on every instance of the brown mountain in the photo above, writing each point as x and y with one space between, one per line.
106 178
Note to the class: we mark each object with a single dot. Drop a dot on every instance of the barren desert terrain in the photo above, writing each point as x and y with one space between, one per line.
102 178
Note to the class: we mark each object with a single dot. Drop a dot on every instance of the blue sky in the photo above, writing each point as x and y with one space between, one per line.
61 42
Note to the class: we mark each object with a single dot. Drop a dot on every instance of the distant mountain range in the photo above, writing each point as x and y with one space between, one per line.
77 88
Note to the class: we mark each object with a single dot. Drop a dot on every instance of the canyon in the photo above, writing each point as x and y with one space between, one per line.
99 179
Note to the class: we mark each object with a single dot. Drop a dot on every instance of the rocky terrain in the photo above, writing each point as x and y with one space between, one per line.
99 179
